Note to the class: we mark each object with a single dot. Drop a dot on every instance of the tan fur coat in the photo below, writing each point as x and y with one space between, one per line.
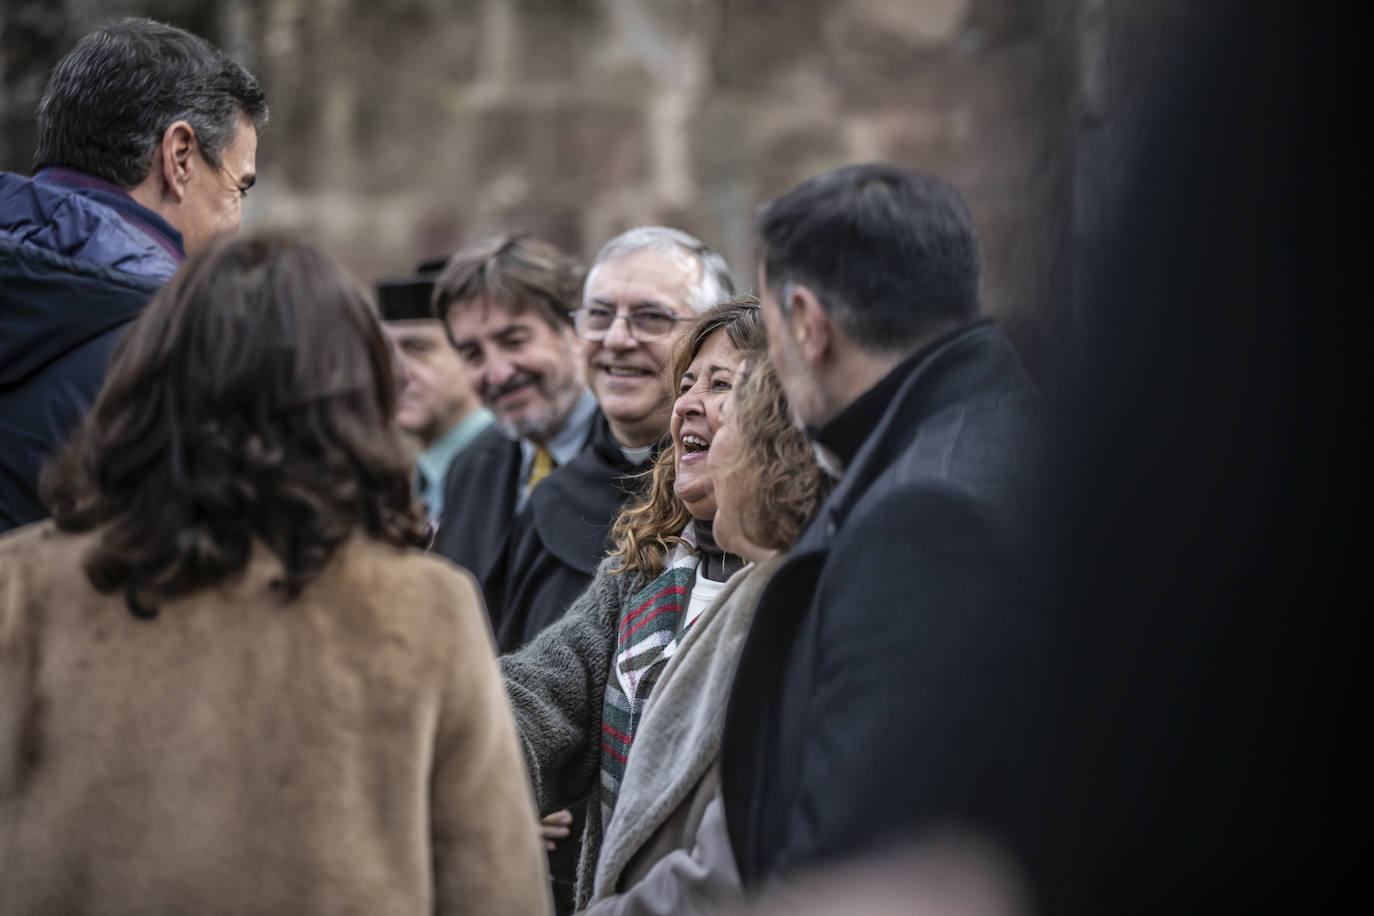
351 751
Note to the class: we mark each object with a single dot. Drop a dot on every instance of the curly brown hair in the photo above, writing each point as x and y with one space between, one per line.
252 399
779 479
647 529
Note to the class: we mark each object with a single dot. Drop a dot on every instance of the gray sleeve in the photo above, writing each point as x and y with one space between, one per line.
702 879
557 685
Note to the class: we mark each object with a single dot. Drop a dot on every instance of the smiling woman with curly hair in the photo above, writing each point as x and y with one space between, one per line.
625 695
231 683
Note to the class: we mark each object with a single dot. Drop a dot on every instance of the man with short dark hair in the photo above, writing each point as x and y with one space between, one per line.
147 145
844 724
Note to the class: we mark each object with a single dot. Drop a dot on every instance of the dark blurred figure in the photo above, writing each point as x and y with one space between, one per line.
1186 705
230 682
437 405
1191 742
147 145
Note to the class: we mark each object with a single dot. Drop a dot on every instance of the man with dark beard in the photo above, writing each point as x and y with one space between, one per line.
506 303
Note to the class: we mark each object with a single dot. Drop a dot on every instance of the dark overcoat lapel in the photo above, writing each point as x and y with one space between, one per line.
558 539
479 502
950 427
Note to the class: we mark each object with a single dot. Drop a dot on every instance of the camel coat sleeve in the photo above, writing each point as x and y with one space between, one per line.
478 766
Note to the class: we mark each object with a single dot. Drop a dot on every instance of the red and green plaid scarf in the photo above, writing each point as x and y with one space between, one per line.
647 636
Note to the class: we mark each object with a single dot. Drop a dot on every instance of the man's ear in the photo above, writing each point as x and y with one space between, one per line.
577 349
811 328
570 337
176 158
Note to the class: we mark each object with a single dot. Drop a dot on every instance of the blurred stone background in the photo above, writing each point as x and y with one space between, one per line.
406 128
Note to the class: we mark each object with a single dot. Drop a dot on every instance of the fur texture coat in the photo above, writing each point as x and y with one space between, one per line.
350 751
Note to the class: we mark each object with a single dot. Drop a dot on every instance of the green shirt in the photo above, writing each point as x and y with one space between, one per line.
432 465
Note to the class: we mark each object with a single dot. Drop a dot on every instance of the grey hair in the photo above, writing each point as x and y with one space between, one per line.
112 97
713 284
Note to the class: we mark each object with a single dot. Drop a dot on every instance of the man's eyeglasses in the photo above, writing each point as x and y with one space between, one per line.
645 325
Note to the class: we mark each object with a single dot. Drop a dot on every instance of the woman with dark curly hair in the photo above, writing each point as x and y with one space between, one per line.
768 483
231 683
625 694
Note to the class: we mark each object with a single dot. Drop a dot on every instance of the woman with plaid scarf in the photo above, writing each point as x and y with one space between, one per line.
625 695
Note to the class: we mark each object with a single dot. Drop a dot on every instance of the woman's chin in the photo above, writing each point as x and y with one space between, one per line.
702 513
698 495
702 507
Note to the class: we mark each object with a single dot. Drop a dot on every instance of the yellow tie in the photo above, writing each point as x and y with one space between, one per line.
539 468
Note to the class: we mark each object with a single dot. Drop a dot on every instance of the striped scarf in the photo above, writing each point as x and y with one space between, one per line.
646 639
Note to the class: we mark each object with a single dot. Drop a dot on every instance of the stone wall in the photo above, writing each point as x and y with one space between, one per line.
405 128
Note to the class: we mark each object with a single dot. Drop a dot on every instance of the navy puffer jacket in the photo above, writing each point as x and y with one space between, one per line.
73 272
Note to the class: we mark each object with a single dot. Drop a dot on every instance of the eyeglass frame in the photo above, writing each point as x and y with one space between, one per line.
629 324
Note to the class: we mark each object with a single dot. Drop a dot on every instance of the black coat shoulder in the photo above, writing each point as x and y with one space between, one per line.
558 538
896 615
479 501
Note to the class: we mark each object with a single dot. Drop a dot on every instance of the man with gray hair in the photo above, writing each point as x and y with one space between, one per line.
644 289
147 145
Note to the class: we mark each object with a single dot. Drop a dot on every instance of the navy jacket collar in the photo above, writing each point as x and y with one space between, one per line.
117 199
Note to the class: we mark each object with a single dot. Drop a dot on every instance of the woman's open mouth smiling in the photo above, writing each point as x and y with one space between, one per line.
692 448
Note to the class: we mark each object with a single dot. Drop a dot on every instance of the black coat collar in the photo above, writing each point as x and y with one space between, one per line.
479 501
575 506
939 376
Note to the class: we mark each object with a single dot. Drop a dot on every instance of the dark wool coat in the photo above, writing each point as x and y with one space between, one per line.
73 272
558 538
479 502
844 722
350 751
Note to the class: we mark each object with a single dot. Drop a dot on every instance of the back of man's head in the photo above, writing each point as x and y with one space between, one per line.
515 272
891 253
110 99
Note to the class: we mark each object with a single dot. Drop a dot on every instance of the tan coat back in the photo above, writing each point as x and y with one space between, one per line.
351 751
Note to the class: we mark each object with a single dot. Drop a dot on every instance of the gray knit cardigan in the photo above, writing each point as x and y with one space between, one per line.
557 685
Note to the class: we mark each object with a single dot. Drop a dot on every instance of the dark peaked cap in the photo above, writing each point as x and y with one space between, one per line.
408 298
